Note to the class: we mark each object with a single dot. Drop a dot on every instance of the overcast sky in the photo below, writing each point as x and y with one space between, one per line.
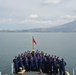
24 14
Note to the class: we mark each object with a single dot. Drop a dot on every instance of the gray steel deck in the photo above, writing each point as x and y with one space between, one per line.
32 73
37 73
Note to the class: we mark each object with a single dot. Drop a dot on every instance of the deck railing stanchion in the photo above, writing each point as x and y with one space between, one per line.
73 71
12 68
0 73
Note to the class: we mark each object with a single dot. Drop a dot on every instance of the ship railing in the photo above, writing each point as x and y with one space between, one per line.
12 68
0 73
71 70
67 70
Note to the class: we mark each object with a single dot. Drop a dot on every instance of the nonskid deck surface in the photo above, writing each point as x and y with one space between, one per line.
32 73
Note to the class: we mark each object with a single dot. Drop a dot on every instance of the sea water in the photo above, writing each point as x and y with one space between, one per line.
59 44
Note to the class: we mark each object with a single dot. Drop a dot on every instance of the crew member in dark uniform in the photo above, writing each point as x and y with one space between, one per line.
15 64
50 64
20 63
31 64
45 65
55 67
40 63
36 64
63 64
25 62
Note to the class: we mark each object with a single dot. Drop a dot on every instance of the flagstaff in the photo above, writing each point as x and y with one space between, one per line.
33 42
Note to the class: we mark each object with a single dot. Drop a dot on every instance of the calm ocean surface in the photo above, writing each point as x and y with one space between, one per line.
60 44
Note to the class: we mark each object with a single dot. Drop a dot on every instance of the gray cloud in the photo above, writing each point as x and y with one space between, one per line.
74 11
46 2
68 17
31 12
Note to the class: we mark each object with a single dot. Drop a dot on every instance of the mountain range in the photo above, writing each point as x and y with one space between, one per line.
69 27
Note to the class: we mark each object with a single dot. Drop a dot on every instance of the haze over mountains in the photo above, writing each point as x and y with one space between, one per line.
69 27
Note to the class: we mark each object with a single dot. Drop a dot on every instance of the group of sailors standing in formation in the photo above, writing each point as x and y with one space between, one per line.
34 61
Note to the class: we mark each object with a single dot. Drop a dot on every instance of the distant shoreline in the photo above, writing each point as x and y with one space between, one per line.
14 31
